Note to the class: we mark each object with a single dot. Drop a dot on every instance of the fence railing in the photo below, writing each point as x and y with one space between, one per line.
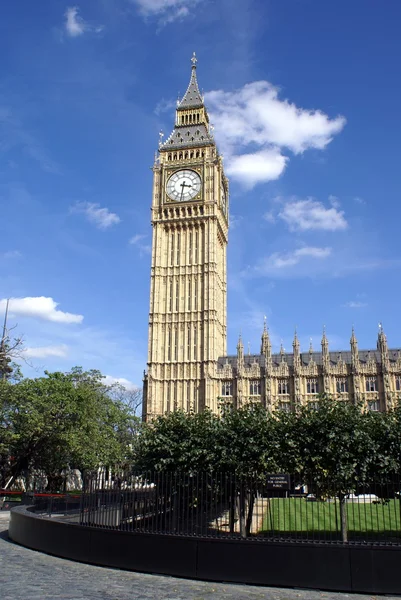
275 507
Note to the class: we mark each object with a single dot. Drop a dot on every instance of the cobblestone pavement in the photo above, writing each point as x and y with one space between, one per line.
29 575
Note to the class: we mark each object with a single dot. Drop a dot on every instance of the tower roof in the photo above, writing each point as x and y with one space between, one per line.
192 97
189 132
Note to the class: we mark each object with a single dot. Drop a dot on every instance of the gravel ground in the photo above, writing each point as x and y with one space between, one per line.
29 575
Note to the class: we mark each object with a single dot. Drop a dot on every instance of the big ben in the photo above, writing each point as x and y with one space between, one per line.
188 307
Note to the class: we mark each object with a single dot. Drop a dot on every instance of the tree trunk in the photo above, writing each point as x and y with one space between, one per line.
251 504
242 512
232 509
343 518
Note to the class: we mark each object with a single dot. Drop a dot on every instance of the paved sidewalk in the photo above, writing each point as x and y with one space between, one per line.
29 575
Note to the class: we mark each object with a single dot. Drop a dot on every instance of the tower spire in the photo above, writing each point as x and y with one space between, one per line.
192 97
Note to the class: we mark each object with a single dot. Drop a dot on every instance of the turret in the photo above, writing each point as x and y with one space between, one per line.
296 351
266 348
325 351
354 351
240 354
383 348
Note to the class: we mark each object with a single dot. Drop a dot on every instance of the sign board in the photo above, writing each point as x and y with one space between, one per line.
279 481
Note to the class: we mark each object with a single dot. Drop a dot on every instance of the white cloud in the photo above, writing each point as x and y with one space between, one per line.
75 24
355 304
11 254
281 261
359 200
101 217
109 380
234 221
46 351
254 116
258 167
304 215
166 10
137 240
39 307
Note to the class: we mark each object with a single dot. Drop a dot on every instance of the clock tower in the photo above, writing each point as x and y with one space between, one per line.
188 309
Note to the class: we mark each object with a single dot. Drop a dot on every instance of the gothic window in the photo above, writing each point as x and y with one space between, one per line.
190 248
189 294
175 395
182 119
175 155
227 388
196 295
178 248
342 386
254 388
172 249
371 384
373 405
180 156
177 295
312 386
196 246
168 398
169 156
282 386
176 344
186 154
189 394
197 154
169 345
284 406
197 117
195 344
189 343
170 303
398 384
191 155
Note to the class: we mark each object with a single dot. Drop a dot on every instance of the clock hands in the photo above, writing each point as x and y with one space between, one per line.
183 186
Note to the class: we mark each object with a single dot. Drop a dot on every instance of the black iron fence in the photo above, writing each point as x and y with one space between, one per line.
272 507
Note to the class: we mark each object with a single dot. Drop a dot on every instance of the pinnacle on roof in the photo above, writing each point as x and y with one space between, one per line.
192 96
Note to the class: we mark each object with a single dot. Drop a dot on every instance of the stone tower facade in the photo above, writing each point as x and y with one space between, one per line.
188 367
188 307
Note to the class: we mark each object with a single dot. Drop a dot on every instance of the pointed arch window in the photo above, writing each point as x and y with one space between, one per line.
342 386
371 384
227 388
254 388
312 386
169 345
189 343
178 248
170 300
190 248
282 386
398 383
177 295
172 249
195 343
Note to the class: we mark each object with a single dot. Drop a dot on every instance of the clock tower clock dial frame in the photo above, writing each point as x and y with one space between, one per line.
188 306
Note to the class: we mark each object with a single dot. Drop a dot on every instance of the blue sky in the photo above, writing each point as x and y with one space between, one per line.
305 99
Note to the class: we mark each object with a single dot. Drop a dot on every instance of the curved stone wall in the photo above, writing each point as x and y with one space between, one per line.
370 568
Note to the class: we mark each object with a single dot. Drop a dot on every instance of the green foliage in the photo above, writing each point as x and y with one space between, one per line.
62 420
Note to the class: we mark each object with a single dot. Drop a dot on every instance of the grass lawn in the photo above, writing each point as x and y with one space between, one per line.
296 517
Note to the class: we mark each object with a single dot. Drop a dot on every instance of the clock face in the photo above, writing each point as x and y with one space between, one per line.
183 186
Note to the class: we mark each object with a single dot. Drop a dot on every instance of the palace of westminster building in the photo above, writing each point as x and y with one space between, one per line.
188 367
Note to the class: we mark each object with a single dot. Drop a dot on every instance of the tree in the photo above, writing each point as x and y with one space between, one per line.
63 420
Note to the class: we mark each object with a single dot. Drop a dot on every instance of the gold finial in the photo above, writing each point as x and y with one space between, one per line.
194 60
